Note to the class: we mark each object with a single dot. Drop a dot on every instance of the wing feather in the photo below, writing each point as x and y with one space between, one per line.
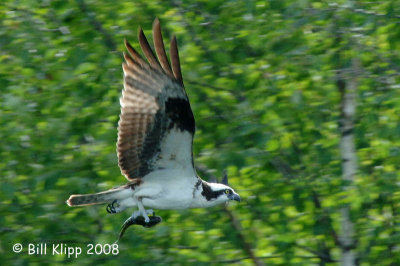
176 65
148 52
156 125
160 49
136 56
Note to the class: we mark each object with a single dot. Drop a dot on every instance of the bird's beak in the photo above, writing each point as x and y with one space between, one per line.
234 196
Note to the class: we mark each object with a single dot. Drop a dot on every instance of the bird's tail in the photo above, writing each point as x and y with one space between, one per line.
97 198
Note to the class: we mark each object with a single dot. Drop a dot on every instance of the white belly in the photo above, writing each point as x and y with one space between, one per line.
168 202
167 189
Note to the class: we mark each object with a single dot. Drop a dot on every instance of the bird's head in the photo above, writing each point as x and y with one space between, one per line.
216 193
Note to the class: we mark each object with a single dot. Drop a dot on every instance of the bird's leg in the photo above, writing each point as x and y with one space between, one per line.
142 211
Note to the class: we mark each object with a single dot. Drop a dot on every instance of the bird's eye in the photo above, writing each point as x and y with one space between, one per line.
227 191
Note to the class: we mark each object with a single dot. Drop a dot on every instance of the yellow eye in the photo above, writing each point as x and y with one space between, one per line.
227 191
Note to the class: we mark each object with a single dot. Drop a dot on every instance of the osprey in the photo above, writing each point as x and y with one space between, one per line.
155 138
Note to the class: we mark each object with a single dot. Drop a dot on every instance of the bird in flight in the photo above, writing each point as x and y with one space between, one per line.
155 139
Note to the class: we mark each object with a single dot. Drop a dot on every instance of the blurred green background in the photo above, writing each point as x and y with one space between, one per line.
262 77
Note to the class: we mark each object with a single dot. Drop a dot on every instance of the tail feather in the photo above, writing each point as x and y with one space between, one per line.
92 199
117 193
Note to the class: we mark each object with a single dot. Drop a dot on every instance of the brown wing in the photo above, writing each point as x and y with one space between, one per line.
155 111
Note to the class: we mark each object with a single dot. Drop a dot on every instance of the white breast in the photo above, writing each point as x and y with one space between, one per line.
168 189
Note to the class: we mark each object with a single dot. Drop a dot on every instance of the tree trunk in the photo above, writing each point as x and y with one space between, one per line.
347 85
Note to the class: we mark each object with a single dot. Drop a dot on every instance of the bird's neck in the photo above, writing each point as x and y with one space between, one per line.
203 195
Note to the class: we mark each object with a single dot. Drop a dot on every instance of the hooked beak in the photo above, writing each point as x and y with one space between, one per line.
234 196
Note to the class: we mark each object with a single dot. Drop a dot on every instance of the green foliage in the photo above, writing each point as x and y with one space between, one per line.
261 79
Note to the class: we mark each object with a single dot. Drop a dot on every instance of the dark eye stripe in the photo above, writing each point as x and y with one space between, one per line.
209 194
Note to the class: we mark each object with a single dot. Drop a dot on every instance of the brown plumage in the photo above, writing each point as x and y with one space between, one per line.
176 65
160 49
144 119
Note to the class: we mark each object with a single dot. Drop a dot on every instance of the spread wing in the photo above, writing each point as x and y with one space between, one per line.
156 125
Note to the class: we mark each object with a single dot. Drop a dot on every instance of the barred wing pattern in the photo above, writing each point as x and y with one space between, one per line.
156 125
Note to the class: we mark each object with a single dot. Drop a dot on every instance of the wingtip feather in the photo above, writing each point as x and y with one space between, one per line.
135 55
160 48
176 65
148 52
156 23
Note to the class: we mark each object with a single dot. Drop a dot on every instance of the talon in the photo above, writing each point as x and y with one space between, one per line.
110 207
